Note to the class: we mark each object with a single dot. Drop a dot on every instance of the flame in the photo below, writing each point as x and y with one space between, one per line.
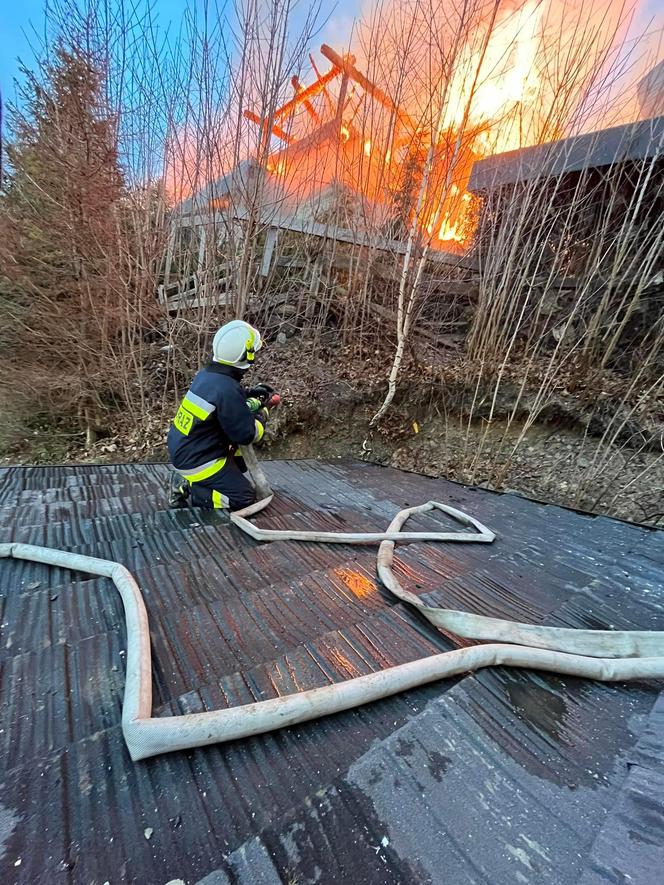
494 84
374 136
449 231
495 76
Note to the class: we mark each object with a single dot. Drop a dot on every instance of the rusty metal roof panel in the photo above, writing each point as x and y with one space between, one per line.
504 776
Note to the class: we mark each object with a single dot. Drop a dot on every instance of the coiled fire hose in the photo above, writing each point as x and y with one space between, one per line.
604 655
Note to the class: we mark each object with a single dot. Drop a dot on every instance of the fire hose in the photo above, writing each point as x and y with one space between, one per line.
604 655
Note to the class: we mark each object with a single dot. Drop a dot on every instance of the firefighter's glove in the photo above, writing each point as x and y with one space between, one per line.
263 392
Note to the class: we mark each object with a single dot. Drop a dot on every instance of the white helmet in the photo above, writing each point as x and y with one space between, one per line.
235 344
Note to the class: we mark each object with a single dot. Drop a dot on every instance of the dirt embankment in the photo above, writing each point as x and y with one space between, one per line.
577 446
566 450
549 461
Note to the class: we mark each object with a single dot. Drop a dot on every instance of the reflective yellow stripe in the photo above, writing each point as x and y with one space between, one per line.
249 347
208 471
183 421
260 430
191 397
194 409
219 501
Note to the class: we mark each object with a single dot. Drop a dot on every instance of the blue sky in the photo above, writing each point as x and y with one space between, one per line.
13 18
20 19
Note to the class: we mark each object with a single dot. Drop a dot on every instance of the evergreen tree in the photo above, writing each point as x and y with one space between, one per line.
61 299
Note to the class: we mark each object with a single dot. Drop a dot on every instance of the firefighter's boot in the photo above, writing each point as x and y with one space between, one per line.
178 491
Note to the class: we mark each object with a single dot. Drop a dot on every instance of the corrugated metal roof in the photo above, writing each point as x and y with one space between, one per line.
632 141
497 778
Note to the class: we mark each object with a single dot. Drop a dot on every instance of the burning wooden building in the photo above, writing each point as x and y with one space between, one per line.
338 182
330 173
330 145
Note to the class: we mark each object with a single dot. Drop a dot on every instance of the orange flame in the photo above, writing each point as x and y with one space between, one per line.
492 95
494 80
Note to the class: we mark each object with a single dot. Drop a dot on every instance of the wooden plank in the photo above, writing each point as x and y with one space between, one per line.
338 234
177 305
326 94
201 251
275 129
298 87
268 251
453 287
346 65
169 254
190 298
307 93
291 262
383 271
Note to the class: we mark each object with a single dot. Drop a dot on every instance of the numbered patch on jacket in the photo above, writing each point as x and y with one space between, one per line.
183 421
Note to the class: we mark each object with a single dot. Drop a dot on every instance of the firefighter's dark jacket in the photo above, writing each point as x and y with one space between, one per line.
212 416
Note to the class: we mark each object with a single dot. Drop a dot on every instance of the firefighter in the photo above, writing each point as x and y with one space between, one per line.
213 421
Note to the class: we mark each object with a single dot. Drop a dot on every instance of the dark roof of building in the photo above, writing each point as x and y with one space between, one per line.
650 91
500 777
630 142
